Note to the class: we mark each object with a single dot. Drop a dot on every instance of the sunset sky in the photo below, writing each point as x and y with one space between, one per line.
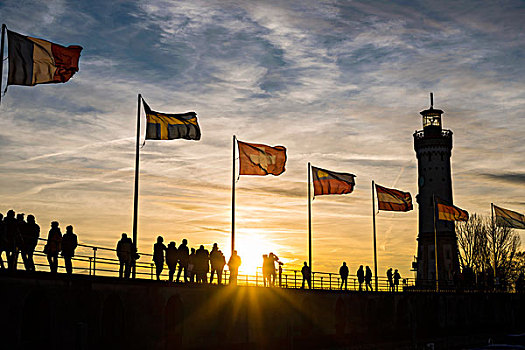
340 84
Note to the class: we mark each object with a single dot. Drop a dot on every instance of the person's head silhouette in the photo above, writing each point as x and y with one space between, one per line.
184 241
54 224
344 263
124 236
305 264
69 229
30 219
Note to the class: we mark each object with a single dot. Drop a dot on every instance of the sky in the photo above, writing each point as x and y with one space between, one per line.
340 84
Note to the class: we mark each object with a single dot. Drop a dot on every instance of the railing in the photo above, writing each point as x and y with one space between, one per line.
101 261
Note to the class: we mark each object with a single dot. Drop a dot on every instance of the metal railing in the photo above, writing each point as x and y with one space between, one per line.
101 261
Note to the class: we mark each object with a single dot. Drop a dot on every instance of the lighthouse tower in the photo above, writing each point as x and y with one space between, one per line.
433 146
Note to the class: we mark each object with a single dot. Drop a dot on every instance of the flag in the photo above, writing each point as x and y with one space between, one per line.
36 61
393 200
330 182
257 159
509 218
163 126
450 212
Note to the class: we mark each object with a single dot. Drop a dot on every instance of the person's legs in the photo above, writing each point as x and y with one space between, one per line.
68 264
211 275
219 276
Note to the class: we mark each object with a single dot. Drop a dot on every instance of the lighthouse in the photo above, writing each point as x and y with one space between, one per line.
433 146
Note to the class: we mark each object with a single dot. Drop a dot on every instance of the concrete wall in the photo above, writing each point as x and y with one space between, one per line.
41 312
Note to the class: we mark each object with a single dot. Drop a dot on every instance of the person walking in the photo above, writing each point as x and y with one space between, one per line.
343 272
307 275
124 256
172 258
368 279
233 265
53 246
184 255
30 237
397 277
360 277
389 276
69 244
158 256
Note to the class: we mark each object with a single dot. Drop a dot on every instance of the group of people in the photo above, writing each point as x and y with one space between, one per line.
193 264
19 236
365 276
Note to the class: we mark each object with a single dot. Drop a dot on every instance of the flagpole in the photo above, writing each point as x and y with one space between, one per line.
374 224
435 242
136 192
309 219
2 60
233 194
493 238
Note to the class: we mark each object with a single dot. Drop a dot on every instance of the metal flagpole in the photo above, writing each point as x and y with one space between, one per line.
493 238
2 59
233 194
136 193
435 243
309 220
374 224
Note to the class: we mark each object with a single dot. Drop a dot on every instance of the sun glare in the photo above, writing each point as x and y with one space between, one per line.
251 244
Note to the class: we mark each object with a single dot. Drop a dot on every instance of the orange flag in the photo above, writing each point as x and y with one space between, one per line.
257 159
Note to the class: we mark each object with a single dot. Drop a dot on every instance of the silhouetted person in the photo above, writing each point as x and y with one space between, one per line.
266 270
191 265
273 271
30 235
368 278
397 277
221 262
307 275
202 264
53 246
184 255
11 238
172 258
158 256
360 277
69 244
233 266
19 241
124 251
389 277
215 261
3 242
343 272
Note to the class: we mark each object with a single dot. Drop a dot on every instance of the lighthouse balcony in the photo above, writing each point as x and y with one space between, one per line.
426 138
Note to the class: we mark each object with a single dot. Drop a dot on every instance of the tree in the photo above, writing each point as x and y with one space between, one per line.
484 246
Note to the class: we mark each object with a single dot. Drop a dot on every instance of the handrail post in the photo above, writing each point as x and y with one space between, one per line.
151 269
90 265
321 282
295 279
330 276
313 280
94 257
286 281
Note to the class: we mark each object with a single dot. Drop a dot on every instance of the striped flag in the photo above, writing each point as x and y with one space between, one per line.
164 126
36 61
509 218
330 182
450 212
393 200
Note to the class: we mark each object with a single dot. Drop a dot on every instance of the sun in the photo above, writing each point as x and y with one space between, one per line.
251 244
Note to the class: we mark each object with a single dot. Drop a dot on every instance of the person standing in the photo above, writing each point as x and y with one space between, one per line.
221 262
389 276
233 265
215 261
368 279
3 242
30 237
172 257
69 244
158 256
360 277
184 254
343 272
202 264
397 277
191 265
307 275
53 246
124 256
